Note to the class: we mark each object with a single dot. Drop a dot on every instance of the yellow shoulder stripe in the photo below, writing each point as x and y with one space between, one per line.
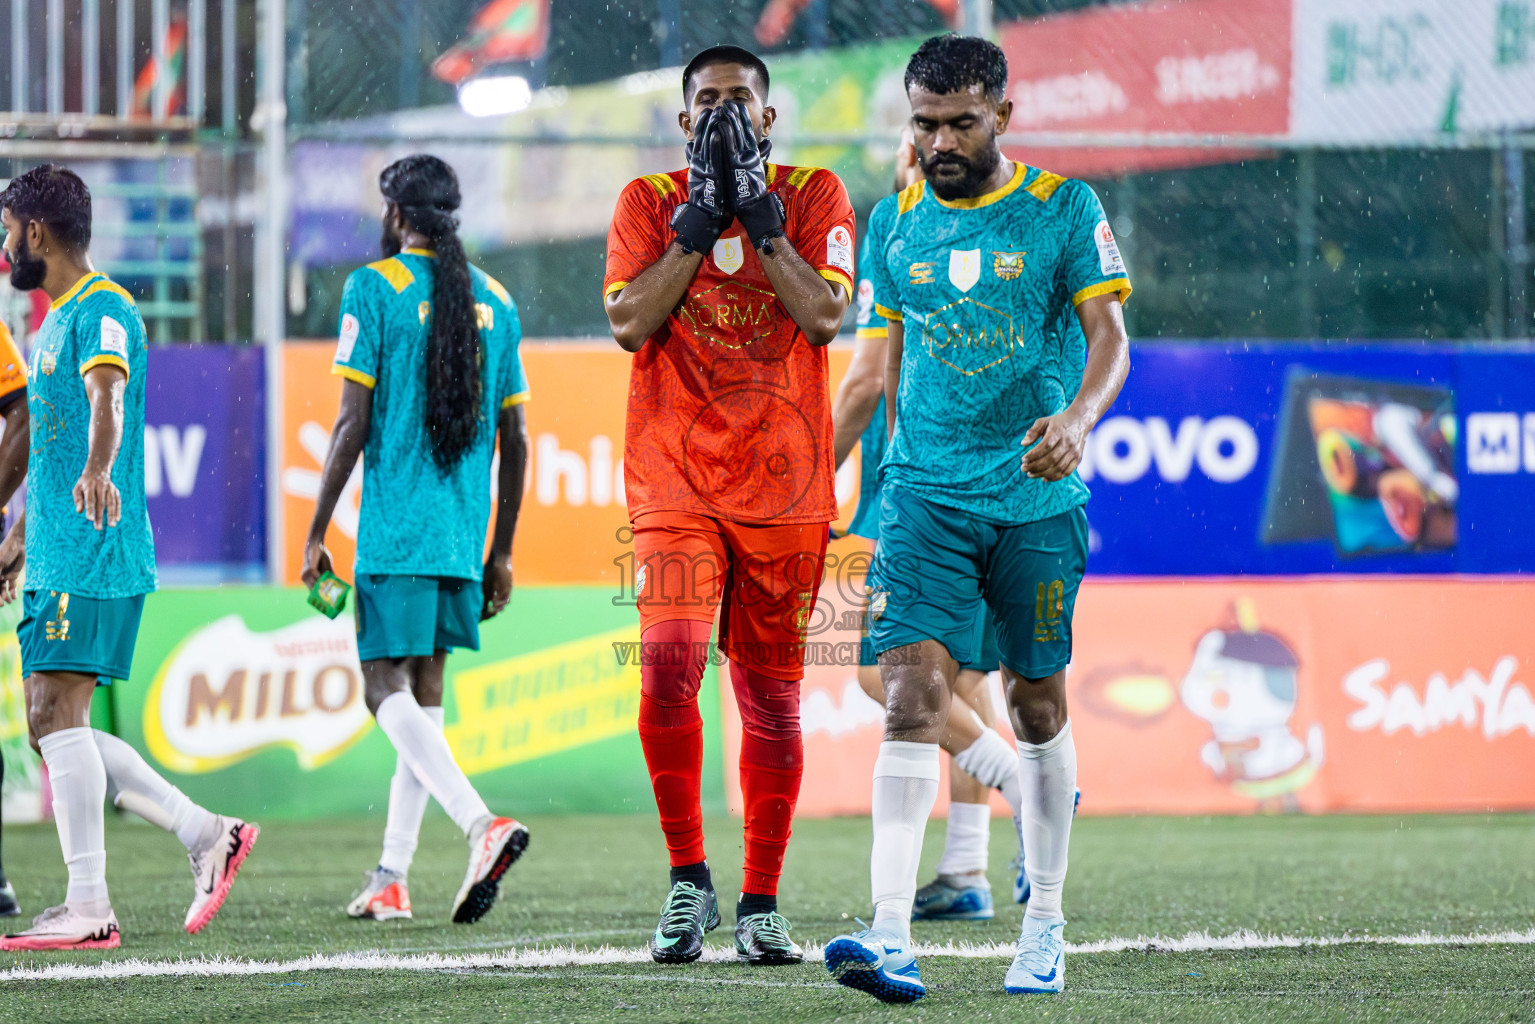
888 314
497 290
341 370
614 287
800 175
511 400
1118 284
395 272
78 287
1044 186
911 195
111 287
663 184
872 332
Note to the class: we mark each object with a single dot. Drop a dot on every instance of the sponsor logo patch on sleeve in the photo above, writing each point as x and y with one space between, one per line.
865 301
348 339
839 249
114 338
1109 260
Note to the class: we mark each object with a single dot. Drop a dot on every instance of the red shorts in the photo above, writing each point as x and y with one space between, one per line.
767 576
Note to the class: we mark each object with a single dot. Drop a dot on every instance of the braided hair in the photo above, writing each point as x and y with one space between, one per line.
426 191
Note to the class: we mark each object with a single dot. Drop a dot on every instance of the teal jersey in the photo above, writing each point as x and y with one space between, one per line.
986 290
95 323
417 520
871 443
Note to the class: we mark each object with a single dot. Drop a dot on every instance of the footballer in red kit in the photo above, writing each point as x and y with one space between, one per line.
726 280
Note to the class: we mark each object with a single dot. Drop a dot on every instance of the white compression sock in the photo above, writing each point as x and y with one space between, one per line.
79 790
965 843
905 786
420 742
407 806
143 791
993 762
1048 775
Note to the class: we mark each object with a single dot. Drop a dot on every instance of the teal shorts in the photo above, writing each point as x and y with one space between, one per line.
986 660
416 616
69 633
986 643
934 564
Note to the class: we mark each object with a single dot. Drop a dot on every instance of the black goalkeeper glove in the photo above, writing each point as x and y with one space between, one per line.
700 221
761 212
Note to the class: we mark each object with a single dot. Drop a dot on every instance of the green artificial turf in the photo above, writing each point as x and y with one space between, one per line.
592 881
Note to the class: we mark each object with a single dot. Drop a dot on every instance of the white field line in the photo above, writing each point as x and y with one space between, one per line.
563 956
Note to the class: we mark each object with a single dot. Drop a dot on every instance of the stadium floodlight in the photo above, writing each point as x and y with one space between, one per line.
499 94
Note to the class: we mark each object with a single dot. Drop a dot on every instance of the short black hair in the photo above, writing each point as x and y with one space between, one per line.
952 63
56 196
723 54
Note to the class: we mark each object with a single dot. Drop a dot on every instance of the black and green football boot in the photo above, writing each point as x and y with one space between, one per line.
688 912
764 939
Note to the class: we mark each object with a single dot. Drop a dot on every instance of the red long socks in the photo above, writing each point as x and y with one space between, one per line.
671 733
772 763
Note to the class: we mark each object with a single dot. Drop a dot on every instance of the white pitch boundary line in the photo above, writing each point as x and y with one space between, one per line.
562 956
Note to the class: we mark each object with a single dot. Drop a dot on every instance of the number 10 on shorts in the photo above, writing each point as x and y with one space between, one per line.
1049 607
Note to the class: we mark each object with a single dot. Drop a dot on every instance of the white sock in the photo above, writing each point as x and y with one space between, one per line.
145 792
965 842
993 762
407 806
420 742
79 783
1048 775
905 786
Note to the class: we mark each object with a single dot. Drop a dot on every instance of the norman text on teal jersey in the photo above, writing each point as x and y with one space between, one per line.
416 519
986 291
95 323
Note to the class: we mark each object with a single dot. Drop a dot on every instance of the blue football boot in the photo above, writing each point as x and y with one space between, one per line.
1039 966
939 900
877 962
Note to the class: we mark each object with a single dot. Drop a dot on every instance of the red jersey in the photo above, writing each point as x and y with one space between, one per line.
729 410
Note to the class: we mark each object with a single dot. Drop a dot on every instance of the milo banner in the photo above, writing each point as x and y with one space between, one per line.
1187 697
21 796
253 703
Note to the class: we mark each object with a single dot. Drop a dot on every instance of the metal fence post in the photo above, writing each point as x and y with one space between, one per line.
271 257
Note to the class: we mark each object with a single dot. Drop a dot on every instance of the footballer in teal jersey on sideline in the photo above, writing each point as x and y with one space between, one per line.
428 353
990 396
85 542
982 759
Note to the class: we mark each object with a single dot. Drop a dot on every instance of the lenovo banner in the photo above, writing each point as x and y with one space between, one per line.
1227 459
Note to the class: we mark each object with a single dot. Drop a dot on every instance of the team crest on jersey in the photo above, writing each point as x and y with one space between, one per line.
922 273
639 582
728 254
964 268
47 362
1007 265
877 601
